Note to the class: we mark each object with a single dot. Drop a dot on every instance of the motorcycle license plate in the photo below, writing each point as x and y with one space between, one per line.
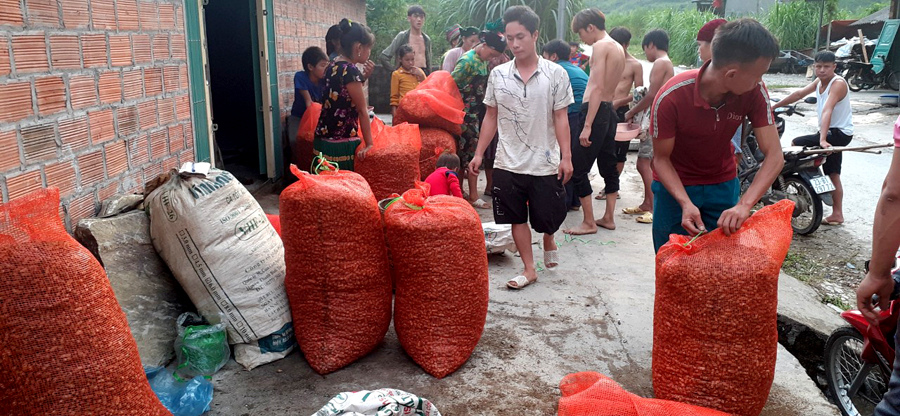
822 184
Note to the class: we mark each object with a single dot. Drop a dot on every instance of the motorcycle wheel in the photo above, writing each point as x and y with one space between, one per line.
854 82
844 366
809 220
893 81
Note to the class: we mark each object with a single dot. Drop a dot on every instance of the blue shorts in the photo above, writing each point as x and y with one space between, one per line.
712 200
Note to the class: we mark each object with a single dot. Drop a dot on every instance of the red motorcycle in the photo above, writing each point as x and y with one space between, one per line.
859 358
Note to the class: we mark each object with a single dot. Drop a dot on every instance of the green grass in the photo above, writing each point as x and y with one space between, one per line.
798 266
837 301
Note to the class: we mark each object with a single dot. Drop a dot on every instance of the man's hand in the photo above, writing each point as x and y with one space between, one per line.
629 116
565 170
731 220
362 153
475 165
824 144
585 138
874 285
691 220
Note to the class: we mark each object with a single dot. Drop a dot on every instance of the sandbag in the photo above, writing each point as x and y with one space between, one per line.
302 152
434 142
441 271
65 346
715 334
594 394
338 280
435 102
392 164
219 245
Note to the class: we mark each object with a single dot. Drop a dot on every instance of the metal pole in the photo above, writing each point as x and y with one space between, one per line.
819 27
561 20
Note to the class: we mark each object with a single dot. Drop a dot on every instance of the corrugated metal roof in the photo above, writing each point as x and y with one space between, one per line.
877 17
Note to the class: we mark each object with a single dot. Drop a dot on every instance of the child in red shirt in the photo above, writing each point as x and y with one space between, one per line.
445 179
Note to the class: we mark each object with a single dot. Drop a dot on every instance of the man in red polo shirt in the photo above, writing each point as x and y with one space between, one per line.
692 121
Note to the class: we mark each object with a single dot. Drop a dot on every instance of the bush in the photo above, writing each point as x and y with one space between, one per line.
793 24
682 27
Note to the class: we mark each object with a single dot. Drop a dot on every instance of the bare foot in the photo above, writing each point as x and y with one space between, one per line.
608 224
582 229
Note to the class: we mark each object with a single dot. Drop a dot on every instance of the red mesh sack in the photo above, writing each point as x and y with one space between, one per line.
65 346
441 271
434 142
275 220
392 164
593 394
303 152
715 335
376 125
338 282
436 102
443 81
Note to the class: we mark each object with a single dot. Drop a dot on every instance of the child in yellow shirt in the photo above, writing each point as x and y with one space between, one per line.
405 78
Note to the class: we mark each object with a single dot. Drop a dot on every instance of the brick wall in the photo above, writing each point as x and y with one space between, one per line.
93 97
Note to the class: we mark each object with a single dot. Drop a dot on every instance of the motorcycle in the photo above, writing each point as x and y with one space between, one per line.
859 358
801 180
862 76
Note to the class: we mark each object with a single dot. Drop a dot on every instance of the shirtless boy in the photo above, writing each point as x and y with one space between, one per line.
598 137
632 77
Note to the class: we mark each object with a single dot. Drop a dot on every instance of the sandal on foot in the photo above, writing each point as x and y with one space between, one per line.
480 204
551 258
602 196
633 211
519 282
645 218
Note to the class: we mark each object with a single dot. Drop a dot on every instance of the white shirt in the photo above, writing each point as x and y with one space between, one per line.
527 143
841 116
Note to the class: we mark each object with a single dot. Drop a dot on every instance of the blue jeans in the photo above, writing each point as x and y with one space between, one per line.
711 200
890 403
576 124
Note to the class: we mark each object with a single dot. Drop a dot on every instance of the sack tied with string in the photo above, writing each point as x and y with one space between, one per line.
441 271
65 345
436 103
338 281
715 334
392 164
302 151
434 142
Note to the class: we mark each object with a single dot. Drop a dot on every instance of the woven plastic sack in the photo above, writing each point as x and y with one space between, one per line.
392 164
434 142
715 334
201 349
593 394
338 281
65 346
436 102
441 270
302 152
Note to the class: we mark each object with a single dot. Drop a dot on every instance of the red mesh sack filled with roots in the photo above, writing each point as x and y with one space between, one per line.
65 345
302 152
434 142
715 329
436 103
593 394
338 282
441 271
392 164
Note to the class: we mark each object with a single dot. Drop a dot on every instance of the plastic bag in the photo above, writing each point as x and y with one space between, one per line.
381 402
182 398
436 102
498 238
593 394
441 270
392 164
434 142
303 152
715 334
65 345
200 349
338 281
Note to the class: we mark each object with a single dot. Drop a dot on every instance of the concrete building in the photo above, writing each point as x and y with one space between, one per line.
101 96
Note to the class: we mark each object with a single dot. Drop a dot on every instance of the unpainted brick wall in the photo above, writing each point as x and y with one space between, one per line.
93 98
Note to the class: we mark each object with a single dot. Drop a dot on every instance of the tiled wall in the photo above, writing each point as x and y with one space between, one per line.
93 97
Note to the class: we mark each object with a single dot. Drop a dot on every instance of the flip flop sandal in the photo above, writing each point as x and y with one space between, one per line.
646 218
602 196
634 211
519 282
480 204
551 258
832 223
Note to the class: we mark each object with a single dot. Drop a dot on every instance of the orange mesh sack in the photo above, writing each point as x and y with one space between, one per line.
392 164
338 281
441 271
376 127
715 333
593 394
302 153
434 142
65 346
436 102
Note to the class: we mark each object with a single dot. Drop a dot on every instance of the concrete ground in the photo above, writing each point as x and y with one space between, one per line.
593 313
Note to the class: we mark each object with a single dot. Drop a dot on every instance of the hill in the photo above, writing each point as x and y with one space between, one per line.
612 6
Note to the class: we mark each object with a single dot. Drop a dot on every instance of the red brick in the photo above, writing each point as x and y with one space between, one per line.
94 50
183 77
10 13
170 163
127 120
101 122
151 171
179 18
188 136
51 94
153 81
142 49
166 111
134 183
127 14
107 191
158 144
170 78
176 138
64 52
38 143
166 16
30 53
62 176
120 50
178 48
75 14
103 14
91 167
74 133
138 151
9 158
5 63
42 13
147 114
81 207
23 183
134 84
183 107
15 101
116 158
149 19
110 86
83 91
160 47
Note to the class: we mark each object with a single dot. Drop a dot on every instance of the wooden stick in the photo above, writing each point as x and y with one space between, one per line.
845 149
862 43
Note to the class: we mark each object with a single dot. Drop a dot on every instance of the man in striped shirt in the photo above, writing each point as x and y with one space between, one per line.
692 121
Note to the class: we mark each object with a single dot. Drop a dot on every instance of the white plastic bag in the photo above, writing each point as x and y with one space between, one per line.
498 238
381 402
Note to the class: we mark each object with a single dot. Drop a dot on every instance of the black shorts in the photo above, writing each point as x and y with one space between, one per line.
836 138
620 113
602 150
522 198
621 152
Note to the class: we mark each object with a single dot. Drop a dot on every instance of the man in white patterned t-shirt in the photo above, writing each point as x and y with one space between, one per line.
528 99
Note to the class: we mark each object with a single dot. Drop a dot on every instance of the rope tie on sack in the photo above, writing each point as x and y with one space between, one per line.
320 164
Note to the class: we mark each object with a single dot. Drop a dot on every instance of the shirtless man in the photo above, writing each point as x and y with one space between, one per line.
598 137
632 77
414 37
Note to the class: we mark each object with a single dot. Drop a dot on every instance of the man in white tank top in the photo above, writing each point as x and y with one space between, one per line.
835 123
